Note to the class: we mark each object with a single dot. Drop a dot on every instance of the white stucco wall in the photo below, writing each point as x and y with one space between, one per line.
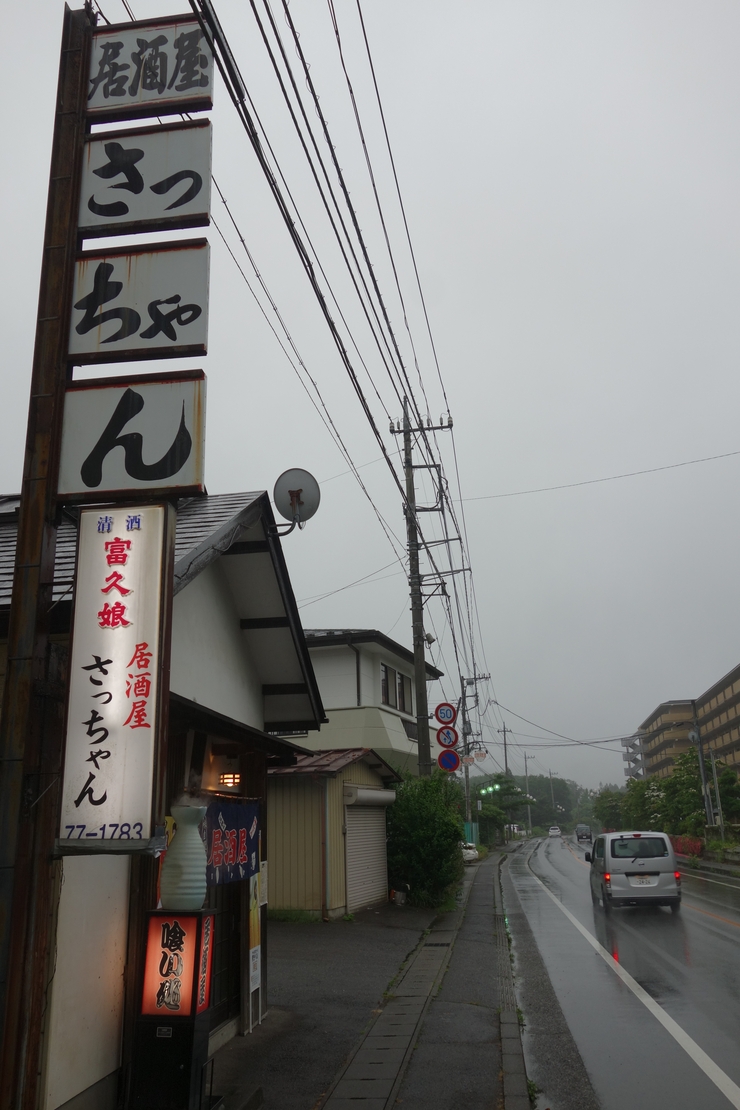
336 675
211 664
86 1007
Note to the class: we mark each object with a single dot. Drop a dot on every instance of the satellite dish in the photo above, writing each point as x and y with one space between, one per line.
296 496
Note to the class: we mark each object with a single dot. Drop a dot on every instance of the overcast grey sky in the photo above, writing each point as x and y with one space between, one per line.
571 174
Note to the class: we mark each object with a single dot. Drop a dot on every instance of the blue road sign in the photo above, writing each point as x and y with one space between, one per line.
448 760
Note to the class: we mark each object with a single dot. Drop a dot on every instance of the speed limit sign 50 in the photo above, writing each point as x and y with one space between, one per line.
446 713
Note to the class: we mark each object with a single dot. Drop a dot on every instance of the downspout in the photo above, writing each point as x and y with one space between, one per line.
325 853
357 670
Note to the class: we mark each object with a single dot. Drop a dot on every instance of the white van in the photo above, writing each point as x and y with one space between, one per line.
634 869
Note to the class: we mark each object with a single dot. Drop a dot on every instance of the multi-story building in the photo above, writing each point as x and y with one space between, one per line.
718 716
367 686
664 735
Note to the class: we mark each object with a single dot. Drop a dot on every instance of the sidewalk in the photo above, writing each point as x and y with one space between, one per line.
324 981
399 1009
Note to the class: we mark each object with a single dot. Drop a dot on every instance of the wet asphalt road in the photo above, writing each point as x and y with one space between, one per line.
689 963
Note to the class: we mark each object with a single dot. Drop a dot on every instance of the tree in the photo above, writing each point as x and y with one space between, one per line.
501 799
683 807
608 808
424 834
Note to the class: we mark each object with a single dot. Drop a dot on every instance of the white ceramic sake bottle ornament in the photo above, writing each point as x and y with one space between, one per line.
182 883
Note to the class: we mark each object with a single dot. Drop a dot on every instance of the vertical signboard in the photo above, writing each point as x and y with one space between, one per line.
151 68
125 436
149 178
114 696
177 969
144 302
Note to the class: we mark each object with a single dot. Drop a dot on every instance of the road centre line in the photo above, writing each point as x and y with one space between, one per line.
714 1073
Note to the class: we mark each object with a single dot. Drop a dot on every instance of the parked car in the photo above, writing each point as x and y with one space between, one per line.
470 852
634 869
554 831
583 832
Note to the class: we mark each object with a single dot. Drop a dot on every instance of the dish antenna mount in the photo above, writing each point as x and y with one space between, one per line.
297 497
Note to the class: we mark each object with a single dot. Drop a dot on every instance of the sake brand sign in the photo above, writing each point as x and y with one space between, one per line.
113 709
177 970
150 69
128 434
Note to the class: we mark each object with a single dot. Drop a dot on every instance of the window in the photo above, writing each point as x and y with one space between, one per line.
388 685
645 847
405 699
599 849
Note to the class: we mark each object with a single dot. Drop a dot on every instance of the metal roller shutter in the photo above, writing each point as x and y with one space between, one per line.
367 870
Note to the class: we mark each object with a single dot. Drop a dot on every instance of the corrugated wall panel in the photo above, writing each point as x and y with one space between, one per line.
367 871
294 844
359 774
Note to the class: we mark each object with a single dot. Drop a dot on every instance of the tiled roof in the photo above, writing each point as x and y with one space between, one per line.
206 526
331 762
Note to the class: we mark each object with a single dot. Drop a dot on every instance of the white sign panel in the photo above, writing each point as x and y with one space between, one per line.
133 434
146 179
150 69
114 671
141 303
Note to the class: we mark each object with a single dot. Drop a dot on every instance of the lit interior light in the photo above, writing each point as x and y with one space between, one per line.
229 778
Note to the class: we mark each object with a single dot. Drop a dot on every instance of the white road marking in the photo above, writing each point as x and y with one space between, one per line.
722 1081
704 879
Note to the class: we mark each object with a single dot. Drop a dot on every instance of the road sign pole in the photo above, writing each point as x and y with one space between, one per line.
33 701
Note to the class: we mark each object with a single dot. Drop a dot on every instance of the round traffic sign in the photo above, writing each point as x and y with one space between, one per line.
448 760
446 713
447 737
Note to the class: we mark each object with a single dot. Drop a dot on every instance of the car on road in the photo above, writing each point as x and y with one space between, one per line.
583 832
554 831
470 852
634 869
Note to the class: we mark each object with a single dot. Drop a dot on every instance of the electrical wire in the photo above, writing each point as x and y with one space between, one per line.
597 481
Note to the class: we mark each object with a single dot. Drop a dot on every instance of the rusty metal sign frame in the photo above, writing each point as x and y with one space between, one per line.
165 223
138 493
140 354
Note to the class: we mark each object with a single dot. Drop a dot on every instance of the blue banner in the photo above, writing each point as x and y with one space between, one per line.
232 841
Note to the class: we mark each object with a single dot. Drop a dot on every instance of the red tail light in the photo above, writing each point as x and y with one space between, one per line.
677 876
607 877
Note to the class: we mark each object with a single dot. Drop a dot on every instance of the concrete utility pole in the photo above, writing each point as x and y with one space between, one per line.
504 730
552 796
695 738
526 788
466 747
717 798
417 605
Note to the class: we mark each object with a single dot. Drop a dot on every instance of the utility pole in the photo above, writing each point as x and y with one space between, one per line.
552 796
504 730
417 607
695 738
526 788
466 730
717 798
416 578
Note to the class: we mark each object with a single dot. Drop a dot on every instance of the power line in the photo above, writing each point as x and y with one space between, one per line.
596 481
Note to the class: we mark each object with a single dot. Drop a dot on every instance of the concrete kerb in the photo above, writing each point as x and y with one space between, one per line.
514 1072
394 1028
